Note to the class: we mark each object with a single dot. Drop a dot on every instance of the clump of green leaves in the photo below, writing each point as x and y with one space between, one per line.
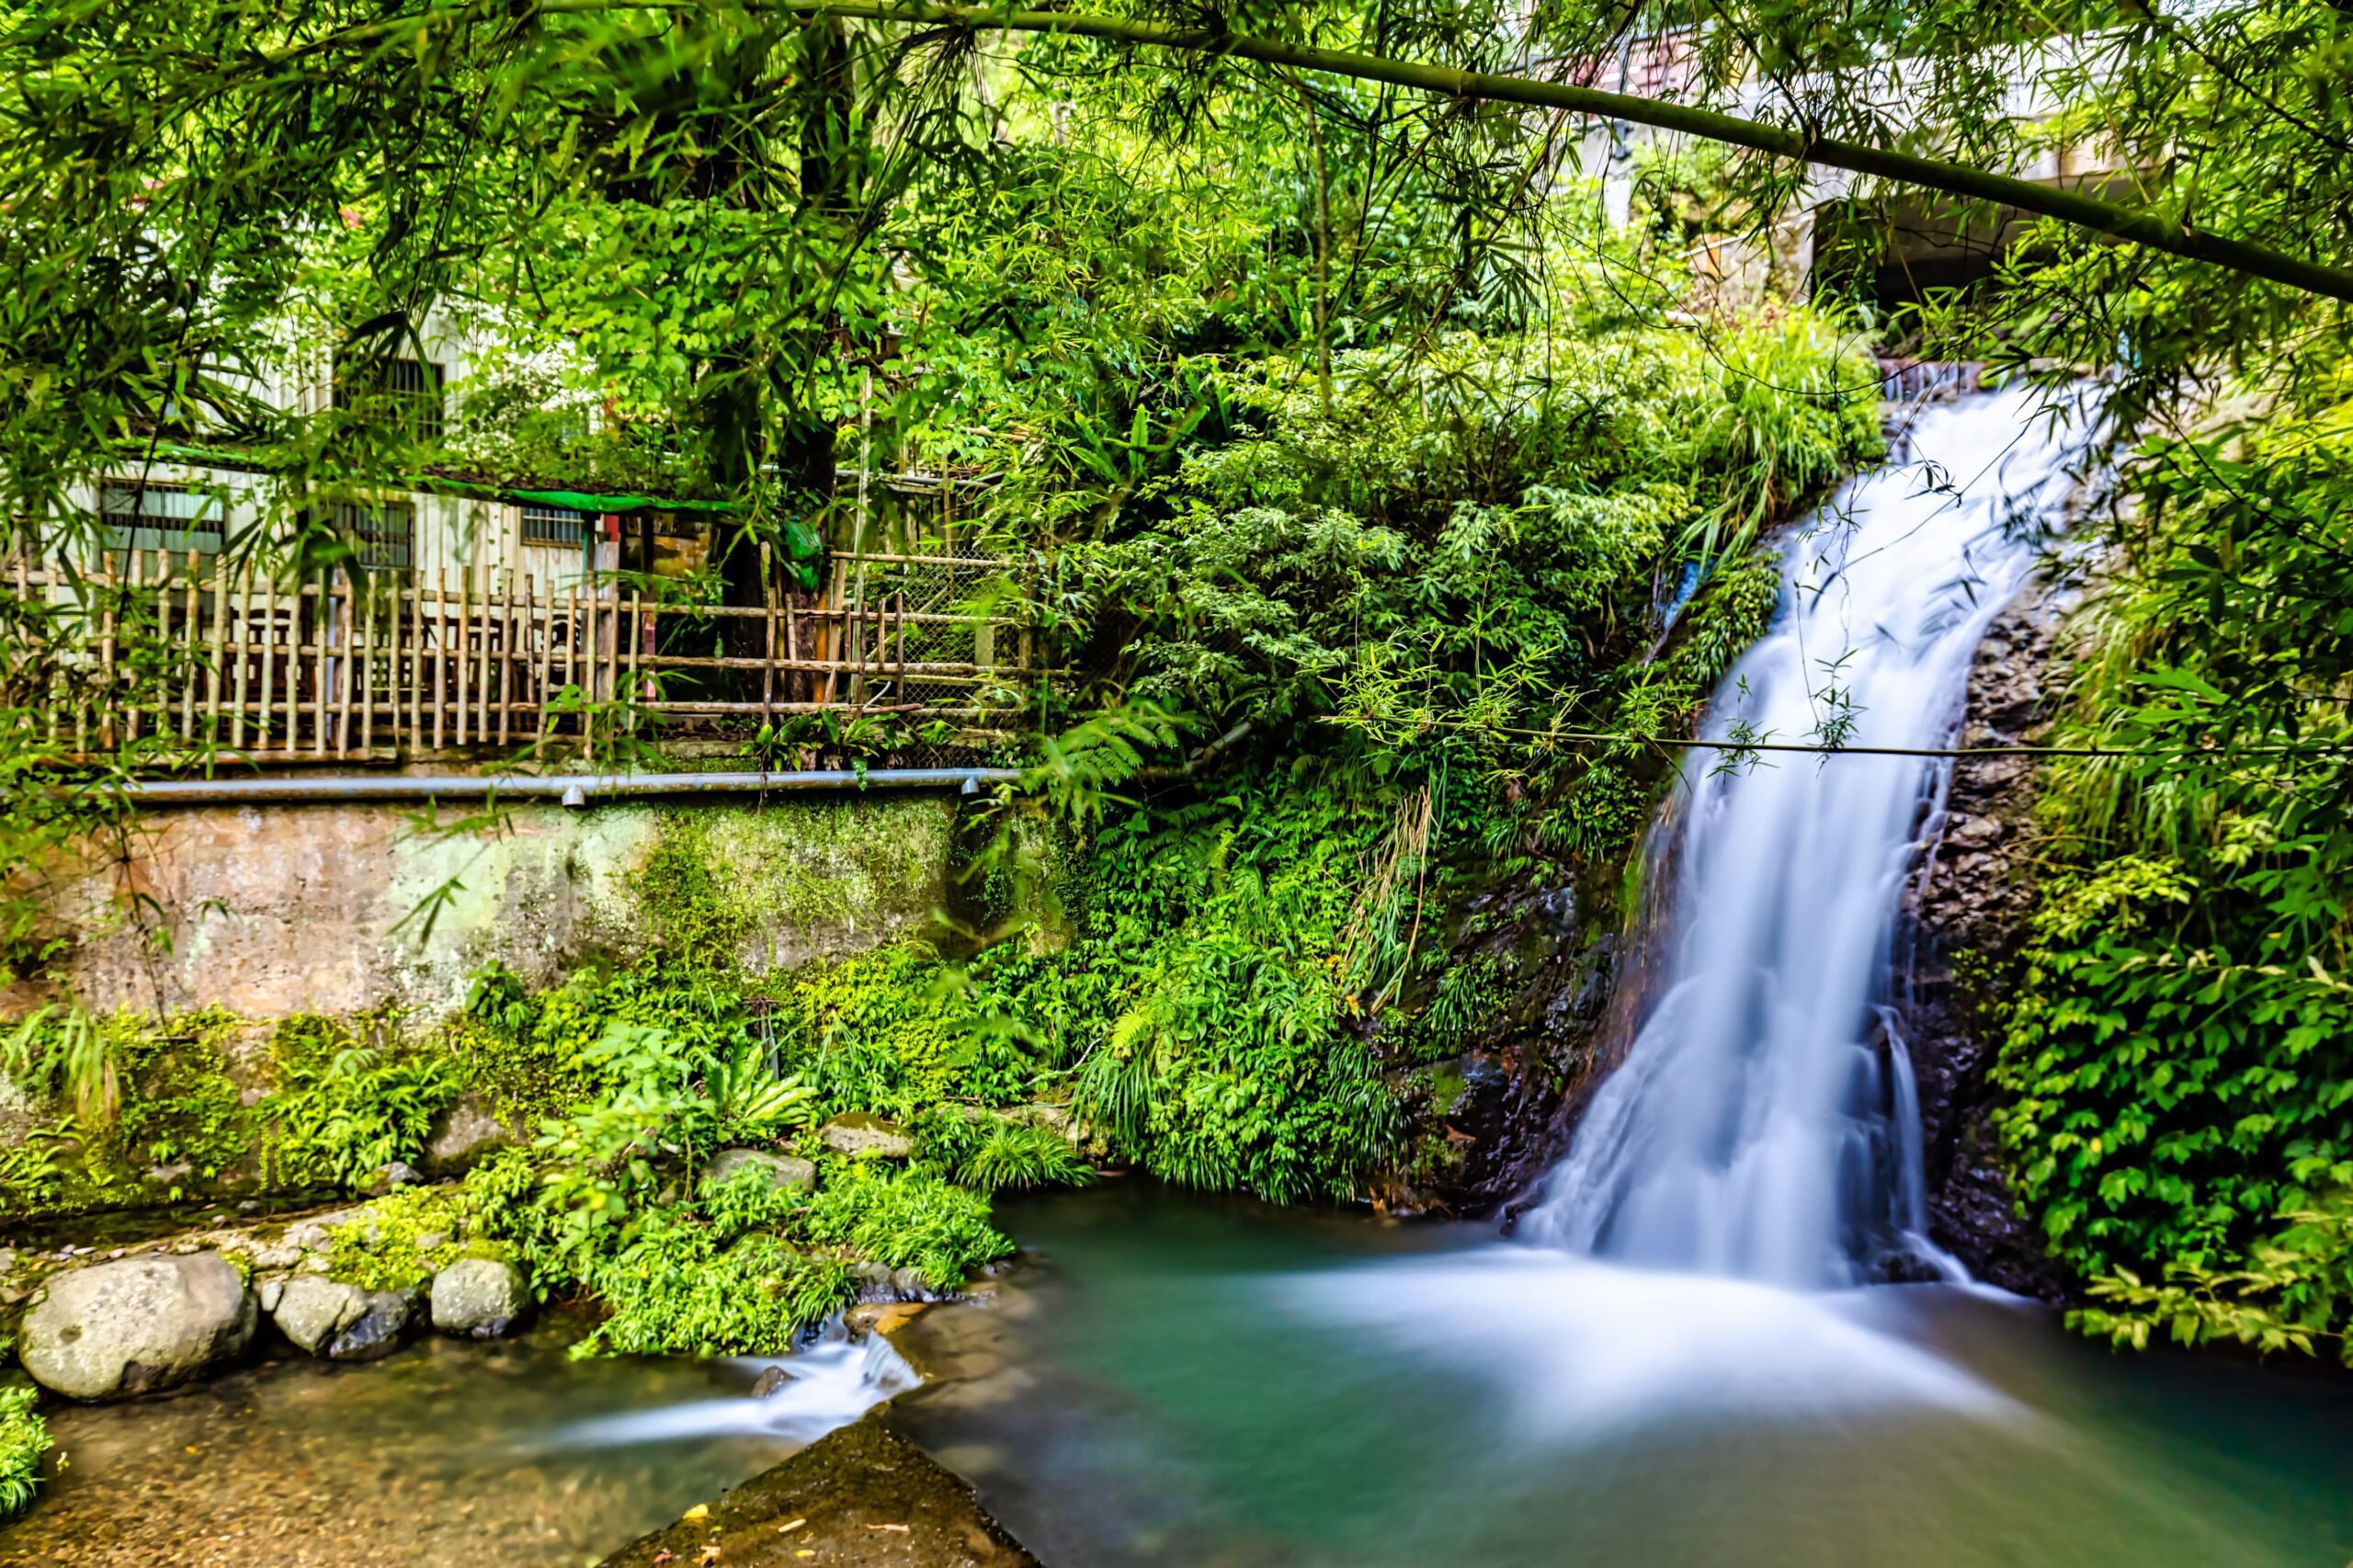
24 1439
2179 1058
906 1220
352 1098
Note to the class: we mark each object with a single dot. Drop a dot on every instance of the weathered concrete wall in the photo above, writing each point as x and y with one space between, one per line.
280 909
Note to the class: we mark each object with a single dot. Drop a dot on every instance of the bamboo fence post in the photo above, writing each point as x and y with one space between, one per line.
613 653
583 673
482 656
903 649
322 674
268 661
636 646
767 672
542 625
24 597
347 676
792 639
415 662
220 639
367 674
245 634
463 638
190 628
506 655
106 660
440 650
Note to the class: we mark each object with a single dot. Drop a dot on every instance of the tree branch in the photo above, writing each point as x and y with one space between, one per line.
2126 224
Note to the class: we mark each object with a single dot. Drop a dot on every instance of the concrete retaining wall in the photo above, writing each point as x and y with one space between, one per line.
280 909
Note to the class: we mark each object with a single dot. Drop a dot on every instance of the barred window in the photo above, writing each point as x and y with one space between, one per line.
383 533
553 524
171 517
408 391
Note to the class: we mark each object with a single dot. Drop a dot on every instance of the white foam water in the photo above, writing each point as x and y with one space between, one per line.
1756 1157
831 1382
1761 1127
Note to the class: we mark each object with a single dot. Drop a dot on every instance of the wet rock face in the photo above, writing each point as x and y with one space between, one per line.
1499 1106
861 1136
786 1171
110 1330
1965 912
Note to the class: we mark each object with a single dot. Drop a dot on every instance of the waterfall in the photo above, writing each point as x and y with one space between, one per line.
1762 1125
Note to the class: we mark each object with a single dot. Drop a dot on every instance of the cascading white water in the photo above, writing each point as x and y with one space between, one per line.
1757 1129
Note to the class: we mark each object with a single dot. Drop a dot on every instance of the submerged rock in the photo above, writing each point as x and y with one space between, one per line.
341 1322
480 1298
859 1134
114 1329
782 1170
861 1497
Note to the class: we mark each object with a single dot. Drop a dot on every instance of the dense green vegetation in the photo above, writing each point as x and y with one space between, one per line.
1339 435
2183 1120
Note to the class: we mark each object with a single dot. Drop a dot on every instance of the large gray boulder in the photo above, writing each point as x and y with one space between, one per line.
781 1170
861 1136
341 1321
480 1298
140 1324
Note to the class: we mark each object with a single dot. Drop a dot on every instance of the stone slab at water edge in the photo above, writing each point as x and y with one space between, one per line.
136 1325
861 1497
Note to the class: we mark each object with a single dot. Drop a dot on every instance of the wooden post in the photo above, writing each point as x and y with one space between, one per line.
482 654
368 675
212 675
106 685
613 650
585 674
347 676
767 667
464 641
543 623
415 662
636 646
268 662
244 637
440 650
506 655
322 676
188 638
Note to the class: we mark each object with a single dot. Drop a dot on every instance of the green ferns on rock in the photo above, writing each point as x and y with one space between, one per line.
24 1439
2178 1063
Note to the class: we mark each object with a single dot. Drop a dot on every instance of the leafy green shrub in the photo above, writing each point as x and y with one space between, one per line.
2178 1048
24 1439
1002 1155
346 1109
673 1289
910 1220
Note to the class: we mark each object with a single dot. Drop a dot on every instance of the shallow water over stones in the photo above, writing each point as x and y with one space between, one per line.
436 1455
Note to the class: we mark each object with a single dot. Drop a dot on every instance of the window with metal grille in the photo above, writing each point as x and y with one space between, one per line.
160 516
380 385
383 533
553 524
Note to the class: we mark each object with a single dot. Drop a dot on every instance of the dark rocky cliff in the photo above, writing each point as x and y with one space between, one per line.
1964 914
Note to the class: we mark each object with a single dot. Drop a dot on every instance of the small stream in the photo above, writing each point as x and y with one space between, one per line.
507 1455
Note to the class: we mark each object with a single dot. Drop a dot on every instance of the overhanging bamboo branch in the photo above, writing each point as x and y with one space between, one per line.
2126 224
